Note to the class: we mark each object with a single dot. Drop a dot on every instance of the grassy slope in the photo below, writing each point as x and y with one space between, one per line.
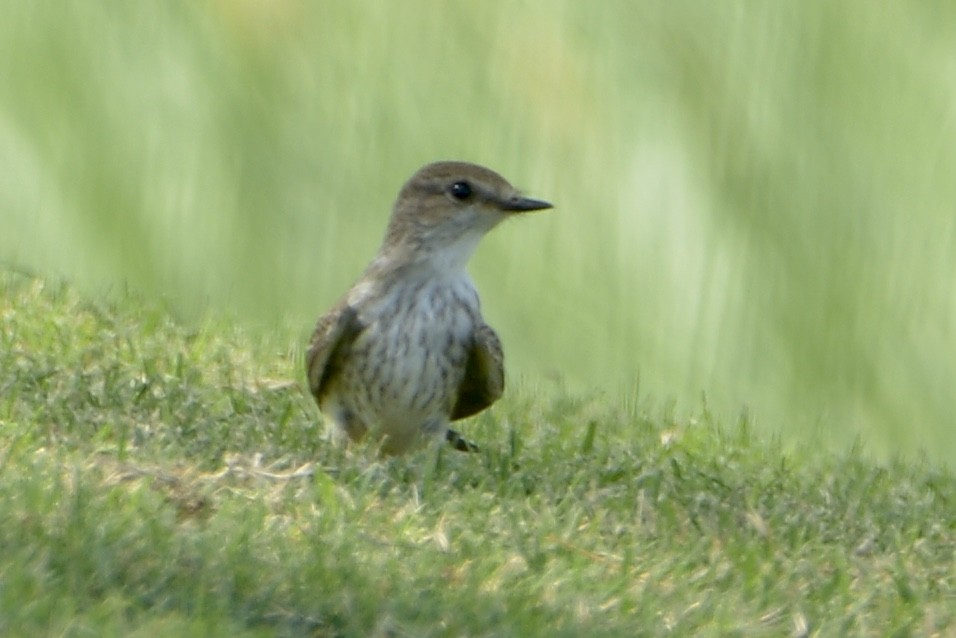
149 486
756 196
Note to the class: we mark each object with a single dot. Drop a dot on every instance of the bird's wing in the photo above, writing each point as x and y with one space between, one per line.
334 331
484 375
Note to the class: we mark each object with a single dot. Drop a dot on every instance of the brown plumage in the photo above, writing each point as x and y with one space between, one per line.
406 350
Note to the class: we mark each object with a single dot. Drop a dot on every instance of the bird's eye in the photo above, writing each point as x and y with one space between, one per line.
460 190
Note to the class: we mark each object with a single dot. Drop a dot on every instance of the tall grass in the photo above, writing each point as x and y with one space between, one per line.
754 201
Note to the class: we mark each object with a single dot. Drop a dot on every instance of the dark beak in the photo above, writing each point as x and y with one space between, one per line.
524 204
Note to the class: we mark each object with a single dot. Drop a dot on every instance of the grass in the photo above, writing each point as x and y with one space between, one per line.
753 199
157 480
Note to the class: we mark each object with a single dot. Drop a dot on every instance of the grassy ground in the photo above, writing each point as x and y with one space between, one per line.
158 481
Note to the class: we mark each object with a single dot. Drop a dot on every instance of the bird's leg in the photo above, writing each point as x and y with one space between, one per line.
459 442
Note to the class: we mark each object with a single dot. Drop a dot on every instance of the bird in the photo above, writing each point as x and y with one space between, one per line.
406 351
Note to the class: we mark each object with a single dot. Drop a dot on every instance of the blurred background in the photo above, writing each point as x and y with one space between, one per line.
755 202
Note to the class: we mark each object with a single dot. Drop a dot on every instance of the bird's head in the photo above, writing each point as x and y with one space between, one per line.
446 207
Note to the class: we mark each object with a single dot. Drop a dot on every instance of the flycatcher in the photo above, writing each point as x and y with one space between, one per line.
405 352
